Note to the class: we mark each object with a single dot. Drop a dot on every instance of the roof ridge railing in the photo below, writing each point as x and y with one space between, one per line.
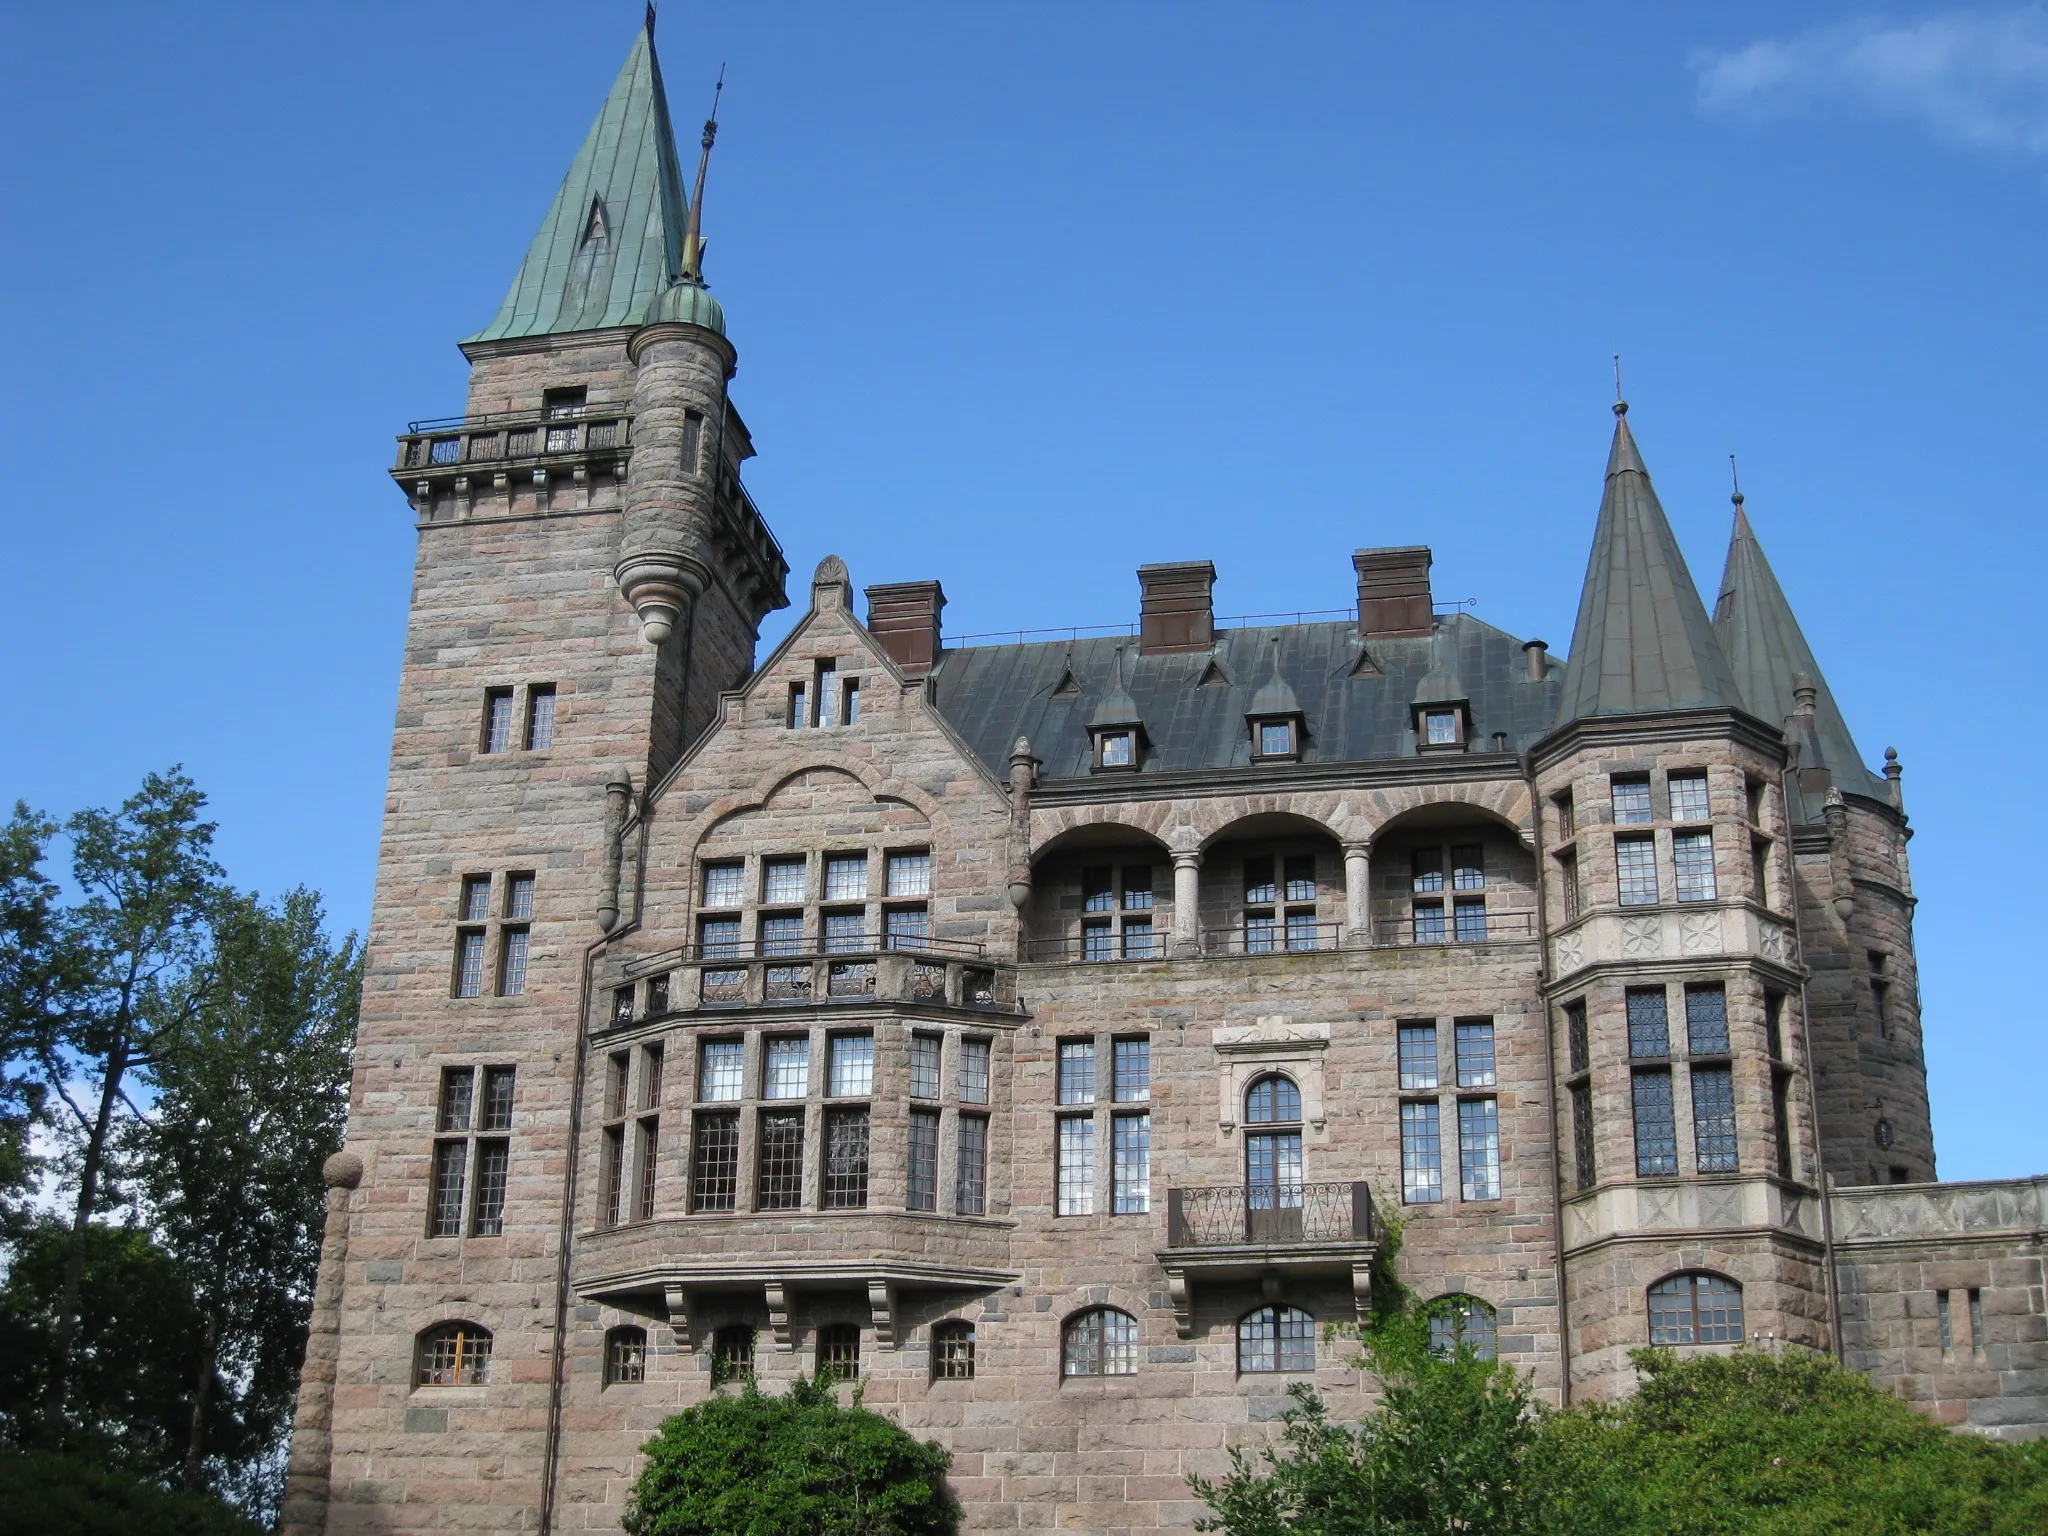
1221 621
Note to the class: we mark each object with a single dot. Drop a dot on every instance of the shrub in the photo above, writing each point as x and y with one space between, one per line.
47 1493
748 1464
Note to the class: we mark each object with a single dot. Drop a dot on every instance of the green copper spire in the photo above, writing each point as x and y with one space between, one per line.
613 237
1643 641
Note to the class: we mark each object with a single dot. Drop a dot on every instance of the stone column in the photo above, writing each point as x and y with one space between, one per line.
1187 905
306 1477
1357 894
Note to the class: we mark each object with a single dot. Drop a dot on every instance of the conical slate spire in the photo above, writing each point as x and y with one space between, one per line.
1642 641
1770 658
613 237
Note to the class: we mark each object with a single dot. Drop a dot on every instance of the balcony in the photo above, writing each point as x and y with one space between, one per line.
854 969
1295 939
513 461
1237 1232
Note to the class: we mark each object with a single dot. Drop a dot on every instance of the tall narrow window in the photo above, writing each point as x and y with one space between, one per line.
1635 861
1656 1130
974 1071
1948 1336
493 1164
613 1191
451 1161
924 1065
1567 825
799 706
469 963
540 717
715 1162
1774 1024
1706 1019
849 710
476 898
1881 1005
498 720
1584 1164
1418 1057
780 1181
647 1140
690 451
1132 1165
1475 1054
1781 1120
1077 1072
1713 1119
512 963
1422 1158
1649 1029
1578 1046
1133 1071
1632 800
497 1105
922 1192
1689 797
1692 858
970 1192
1077 1166
1479 1148
1568 884
1977 1340
827 693
1272 1157
846 1159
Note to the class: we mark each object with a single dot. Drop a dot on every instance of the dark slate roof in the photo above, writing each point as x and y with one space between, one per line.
1642 641
992 694
626 168
1768 653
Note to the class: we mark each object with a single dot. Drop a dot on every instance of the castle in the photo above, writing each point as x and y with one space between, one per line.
1049 1034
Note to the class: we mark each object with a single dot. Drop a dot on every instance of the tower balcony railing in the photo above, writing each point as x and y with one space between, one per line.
510 437
850 968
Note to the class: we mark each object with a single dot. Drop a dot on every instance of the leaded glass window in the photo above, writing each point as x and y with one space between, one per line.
923 1189
1696 1309
1077 1166
1462 1322
540 719
1649 1029
1479 1148
451 1164
1470 915
782 934
846 877
1131 1164
1689 797
1422 1158
781 1158
1276 1339
715 1162
512 970
786 1069
1132 1071
1427 869
476 898
1468 868
469 964
1429 922
970 1189
974 1071
718 938
1475 1055
853 1066
493 1165
1632 800
1706 1020
1418 1057
1713 1119
1656 1129
721 1068
1692 859
1101 1342
784 882
925 1052
907 927
845 933
910 874
1585 1169
1635 864
1077 1072
498 720
725 885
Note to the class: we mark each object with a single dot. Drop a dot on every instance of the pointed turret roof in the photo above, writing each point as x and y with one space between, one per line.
1642 641
1771 660
613 237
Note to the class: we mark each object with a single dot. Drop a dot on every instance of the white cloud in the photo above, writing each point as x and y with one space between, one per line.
1976 78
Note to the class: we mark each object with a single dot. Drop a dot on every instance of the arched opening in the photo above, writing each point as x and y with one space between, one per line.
1464 1322
1100 1342
1272 884
1275 1339
1100 893
1451 873
1696 1307
453 1355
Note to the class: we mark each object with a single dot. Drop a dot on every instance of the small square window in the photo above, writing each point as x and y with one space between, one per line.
1258 882
1301 879
846 877
846 933
1689 797
783 882
910 874
1632 800
1116 748
1137 887
1427 865
782 933
718 938
1429 922
1098 940
1440 727
725 885
1468 868
1276 738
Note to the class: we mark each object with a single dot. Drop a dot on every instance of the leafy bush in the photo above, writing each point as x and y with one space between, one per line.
748 1464
49 1494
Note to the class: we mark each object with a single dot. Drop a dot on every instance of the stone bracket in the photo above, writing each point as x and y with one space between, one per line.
1361 1292
882 1313
778 1314
677 1300
1182 1295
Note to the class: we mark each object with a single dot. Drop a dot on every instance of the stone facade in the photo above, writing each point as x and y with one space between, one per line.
808 1009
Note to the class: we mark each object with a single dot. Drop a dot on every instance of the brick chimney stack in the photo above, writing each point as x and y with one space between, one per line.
1176 610
1393 592
904 616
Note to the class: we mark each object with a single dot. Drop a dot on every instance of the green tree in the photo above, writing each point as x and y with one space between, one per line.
251 1083
31 981
48 1494
748 1464
1450 1447
118 961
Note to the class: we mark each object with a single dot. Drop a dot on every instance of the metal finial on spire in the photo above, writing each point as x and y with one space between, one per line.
1735 477
650 18
1620 404
693 231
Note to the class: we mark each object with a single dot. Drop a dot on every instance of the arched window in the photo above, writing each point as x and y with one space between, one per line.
1100 1342
952 1351
1272 1158
1696 1309
625 1356
454 1355
732 1351
839 1351
1276 1339
1466 1320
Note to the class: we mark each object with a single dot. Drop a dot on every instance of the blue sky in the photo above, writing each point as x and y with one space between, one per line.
1027 295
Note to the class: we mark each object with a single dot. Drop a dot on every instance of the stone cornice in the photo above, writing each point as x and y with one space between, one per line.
1674 725
1270 778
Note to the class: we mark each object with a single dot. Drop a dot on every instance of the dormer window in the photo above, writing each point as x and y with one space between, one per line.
1440 727
1116 749
1276 738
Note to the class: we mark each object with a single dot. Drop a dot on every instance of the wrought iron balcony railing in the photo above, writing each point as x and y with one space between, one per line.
509 436
1236 1215
1468 927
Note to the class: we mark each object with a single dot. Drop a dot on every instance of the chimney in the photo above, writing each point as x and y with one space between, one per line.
1393 592
1175 610
904 616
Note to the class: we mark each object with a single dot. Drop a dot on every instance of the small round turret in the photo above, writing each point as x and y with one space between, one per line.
686 303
